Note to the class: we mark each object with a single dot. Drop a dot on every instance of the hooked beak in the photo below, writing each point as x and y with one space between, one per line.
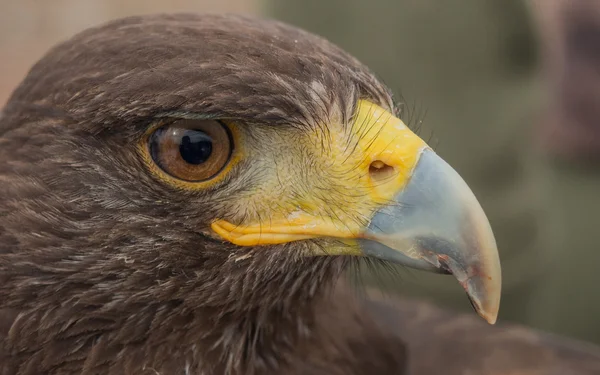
435 223
423 213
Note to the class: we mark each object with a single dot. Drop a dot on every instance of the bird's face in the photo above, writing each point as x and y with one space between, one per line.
367 186
301 161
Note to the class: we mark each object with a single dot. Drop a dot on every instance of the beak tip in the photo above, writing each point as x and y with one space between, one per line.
489 311
484 292
484 297
490 316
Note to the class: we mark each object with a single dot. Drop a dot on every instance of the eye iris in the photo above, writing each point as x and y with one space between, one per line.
195 147
191 150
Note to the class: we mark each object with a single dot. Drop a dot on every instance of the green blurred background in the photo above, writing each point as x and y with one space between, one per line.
508 91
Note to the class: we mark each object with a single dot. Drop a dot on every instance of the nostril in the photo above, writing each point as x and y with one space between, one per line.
378 170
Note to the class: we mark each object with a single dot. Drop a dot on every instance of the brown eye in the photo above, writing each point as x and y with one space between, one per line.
191 150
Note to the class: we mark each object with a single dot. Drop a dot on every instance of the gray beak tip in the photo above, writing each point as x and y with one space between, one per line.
486 304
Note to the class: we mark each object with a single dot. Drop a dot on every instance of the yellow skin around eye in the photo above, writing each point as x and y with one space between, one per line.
236 155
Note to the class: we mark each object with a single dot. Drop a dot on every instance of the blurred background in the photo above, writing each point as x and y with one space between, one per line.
507 90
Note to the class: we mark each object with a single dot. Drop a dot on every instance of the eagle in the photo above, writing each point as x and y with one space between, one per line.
182 194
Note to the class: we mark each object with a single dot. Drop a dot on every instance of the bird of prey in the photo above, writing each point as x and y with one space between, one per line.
180 194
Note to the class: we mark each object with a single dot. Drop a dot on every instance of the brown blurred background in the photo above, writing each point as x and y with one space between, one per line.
512 94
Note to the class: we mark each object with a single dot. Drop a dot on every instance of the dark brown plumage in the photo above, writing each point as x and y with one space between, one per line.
106 270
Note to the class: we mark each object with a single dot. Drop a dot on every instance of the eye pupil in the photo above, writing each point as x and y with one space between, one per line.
195 147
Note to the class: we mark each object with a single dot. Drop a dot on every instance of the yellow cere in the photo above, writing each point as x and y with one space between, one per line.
385 140
363 165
